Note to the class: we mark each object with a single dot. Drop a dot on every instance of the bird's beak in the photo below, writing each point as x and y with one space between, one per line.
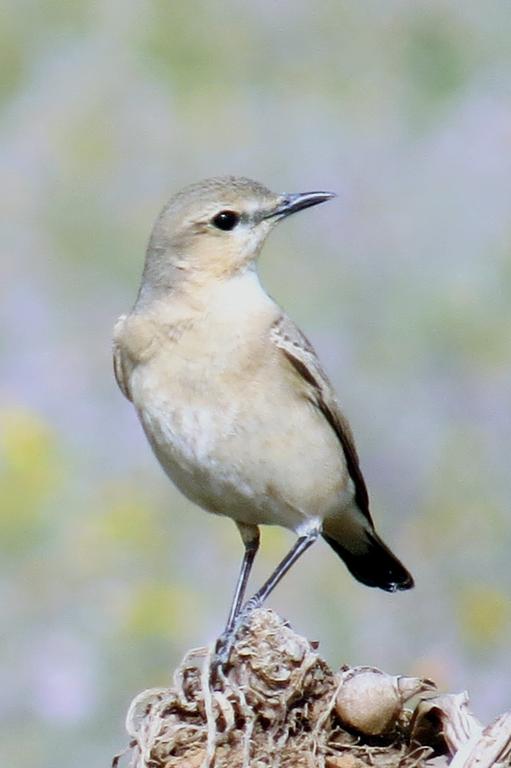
296 202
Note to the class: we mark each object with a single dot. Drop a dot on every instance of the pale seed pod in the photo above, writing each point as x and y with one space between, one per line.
370 701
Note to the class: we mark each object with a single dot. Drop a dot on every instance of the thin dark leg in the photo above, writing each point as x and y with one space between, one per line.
250 536
237 617
300 546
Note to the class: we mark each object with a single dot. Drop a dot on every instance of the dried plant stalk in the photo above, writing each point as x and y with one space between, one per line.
279 704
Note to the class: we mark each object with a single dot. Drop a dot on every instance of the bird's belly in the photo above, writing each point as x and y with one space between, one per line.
244 462
200 453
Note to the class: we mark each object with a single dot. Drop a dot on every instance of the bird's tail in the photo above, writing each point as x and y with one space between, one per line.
373 563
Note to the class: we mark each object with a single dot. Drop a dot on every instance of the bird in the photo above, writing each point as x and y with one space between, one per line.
231 395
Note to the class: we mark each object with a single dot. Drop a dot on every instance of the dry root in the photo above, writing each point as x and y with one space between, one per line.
280 705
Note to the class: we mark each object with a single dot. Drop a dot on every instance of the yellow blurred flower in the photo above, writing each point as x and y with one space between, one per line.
29 471
484 614
160 609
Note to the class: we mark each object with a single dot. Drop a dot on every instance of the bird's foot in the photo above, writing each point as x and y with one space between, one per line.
250 606
227 639
223 648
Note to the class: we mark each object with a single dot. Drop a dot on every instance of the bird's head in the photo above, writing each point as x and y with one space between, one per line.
216 228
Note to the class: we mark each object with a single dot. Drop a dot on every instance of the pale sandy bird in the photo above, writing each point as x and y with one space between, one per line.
230 393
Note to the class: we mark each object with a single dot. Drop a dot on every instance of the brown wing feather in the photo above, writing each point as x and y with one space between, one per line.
301 355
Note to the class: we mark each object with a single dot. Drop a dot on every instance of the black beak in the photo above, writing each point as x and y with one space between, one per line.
297 202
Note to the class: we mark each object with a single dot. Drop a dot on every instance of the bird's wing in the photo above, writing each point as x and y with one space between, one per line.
301 356
119 367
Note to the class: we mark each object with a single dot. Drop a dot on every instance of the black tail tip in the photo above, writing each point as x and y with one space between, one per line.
375 565
404 582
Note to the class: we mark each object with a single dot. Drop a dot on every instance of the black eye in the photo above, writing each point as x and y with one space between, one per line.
226 220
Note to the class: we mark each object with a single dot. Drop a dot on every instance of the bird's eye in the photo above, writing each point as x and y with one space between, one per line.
226 220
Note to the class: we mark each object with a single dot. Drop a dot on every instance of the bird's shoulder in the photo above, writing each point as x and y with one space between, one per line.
120 371
135 338
300 355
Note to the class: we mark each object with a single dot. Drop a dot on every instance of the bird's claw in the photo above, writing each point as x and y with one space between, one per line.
250 606
227 639
223 648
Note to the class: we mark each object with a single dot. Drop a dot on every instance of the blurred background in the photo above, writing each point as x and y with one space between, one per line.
403 283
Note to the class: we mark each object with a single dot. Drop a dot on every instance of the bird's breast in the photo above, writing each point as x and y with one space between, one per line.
221 413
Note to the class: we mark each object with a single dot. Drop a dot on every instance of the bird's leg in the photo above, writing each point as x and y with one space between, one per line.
303 543
250 537
238 617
